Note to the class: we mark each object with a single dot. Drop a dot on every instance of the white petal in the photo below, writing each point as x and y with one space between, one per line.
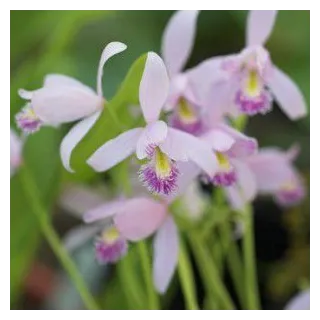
115 150
288 95
181 146
73 137
64 104
25 94
109 51
178 39
218 140
152 135
154 87
259 26
79 235
60 80
301 301
166 249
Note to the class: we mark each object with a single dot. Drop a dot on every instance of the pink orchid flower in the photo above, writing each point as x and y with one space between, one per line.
158 144
120 221
250 79
63 99
275 174
177 43
16 145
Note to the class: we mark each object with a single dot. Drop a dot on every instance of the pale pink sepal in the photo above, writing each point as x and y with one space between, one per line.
166 250
259 26
140 218
178 39
115 150
15 151
218 140
73 137
288 95
154 87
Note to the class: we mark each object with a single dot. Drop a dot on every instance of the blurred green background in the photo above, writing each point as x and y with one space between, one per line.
70 42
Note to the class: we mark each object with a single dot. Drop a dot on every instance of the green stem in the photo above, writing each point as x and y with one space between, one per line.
53 239
146 266
186 278
234 262
253 300
210 273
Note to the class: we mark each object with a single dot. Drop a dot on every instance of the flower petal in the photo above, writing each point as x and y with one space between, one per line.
259 26
301 301
234 196
288 95
64 104
152 135
166 250
115 150
244 146
15 151
246 180
106 210
140 218
74 136
79 235
25 94
178 39
61 80
218 140
154 87
181 146
109 51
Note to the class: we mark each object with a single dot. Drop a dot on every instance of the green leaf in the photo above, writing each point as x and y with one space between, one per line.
114 118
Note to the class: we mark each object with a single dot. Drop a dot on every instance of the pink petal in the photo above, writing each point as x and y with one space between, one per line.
218 140
60 80
109 51
166 250
64 104
271 169
288 95
73 137
246 180
259 26
244 146
154 87
183 146
15 151
300 301
293 153
178 39
140 218
79 235
234 197
115 150
25 94
106 210
152 135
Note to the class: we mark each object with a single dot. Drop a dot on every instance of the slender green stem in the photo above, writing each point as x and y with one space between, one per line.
53 239
147 273
210 273
234 262
187 278
253 300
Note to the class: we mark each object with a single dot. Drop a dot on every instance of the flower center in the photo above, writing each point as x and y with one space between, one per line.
252 85
160 173
226 176
27 120
186 118
110 247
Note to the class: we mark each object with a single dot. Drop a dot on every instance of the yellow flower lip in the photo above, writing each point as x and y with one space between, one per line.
252 84
223 161
110 235
186 112
162 164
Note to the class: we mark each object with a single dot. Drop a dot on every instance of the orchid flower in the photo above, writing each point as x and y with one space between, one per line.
113 224
251 79
300 301
16 145
275 174
63 99
177 43
159 145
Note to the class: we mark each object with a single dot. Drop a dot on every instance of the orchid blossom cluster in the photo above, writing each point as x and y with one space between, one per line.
188 134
